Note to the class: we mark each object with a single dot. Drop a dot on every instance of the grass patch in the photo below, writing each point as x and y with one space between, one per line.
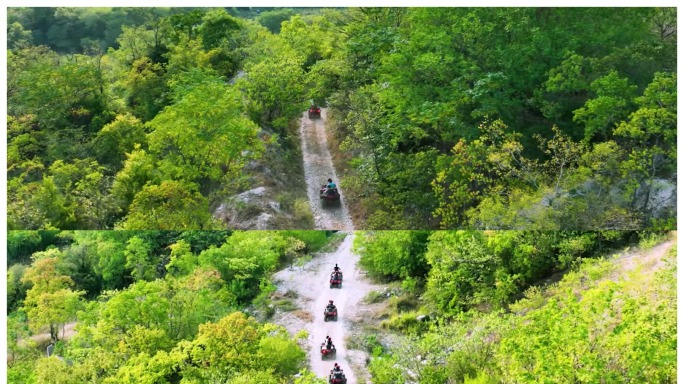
648 240
302 213
374 297
404 303
285 305
364 342
334 242
244 209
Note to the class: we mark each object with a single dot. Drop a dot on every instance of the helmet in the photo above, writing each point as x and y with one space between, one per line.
329 301
329 180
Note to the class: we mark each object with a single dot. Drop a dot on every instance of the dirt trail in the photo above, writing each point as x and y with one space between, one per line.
318 167
312 287
43 339
649 260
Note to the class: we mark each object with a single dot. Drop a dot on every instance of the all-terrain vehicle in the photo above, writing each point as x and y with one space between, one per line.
314 112
337 377
336 280
328 352
329 196
330 314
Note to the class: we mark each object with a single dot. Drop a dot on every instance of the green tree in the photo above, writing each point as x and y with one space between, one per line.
139 260
117 139
611 105
393 254
182 261
168 206
217 26
70 195
274 19
274 90
18 37
50 302
146 86
245 260
461 270
138 170
16 288
21 244
649 136
203 136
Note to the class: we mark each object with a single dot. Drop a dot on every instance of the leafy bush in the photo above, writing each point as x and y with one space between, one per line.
406 322
404 303
302 212
314 240
392 255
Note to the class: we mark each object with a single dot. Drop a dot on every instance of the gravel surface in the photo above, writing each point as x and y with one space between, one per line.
311 284
318 168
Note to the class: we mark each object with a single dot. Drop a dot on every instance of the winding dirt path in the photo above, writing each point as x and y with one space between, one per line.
312 287
318 167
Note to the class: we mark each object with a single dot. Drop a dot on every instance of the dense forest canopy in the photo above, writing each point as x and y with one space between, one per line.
151 306
510 117
490 118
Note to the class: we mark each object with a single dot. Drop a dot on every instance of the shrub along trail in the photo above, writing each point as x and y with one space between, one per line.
311 283
318 168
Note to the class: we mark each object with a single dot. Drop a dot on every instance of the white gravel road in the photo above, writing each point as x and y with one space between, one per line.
311 283
318 168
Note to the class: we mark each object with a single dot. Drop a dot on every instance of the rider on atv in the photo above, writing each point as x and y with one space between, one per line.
328 343
337 269
337 376
330 187
330 307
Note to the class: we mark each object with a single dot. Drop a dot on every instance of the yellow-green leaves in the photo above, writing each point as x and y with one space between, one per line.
50 301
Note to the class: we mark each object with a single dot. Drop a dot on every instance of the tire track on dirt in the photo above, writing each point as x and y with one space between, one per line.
318 167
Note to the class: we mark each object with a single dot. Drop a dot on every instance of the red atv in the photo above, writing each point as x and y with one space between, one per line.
329 196
314 112
337 377
332 314
325 352
336 280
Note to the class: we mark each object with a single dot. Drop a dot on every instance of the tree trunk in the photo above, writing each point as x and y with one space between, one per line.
54 332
